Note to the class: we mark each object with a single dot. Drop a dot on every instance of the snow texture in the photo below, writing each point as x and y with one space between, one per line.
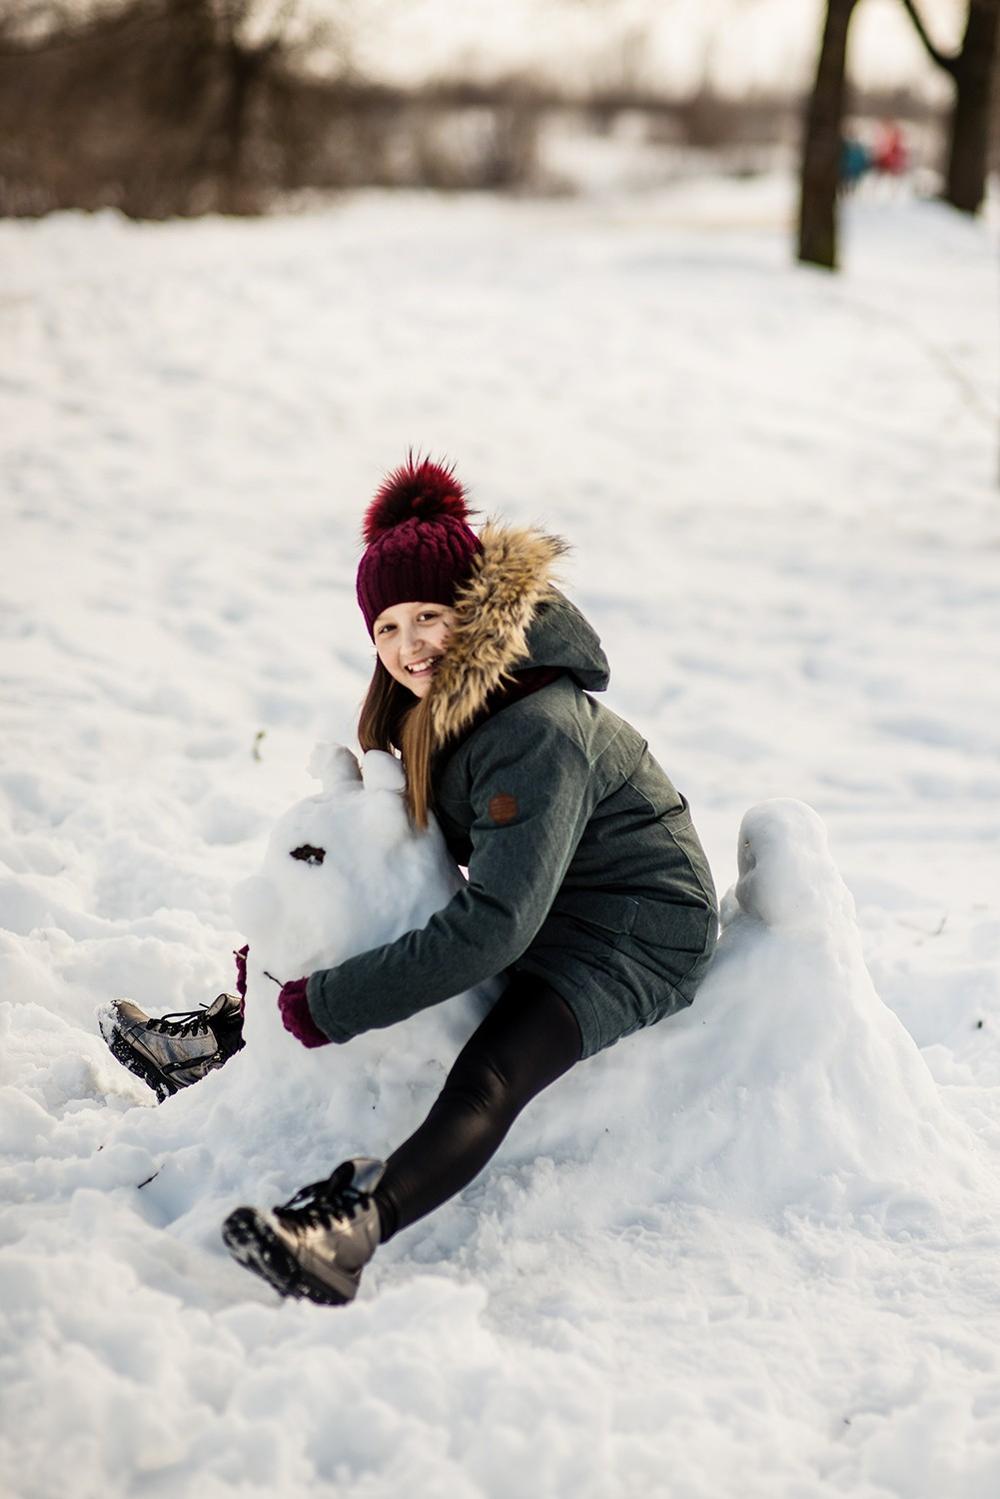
751 1251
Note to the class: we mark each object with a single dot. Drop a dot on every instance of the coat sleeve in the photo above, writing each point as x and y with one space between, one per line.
531 798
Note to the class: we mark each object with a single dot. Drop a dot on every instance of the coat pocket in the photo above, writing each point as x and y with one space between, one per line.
601 914
669 926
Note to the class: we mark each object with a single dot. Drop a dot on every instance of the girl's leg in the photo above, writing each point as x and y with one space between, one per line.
528 1039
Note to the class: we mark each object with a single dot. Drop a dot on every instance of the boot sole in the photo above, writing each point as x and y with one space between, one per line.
253 1243
140 1067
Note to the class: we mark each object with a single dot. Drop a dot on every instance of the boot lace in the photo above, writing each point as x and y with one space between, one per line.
324 1203
182 1023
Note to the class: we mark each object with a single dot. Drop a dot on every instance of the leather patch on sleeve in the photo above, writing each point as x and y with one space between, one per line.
503 808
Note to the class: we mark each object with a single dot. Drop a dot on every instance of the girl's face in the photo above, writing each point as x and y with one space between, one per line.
410 640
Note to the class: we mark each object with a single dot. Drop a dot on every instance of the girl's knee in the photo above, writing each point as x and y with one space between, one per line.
479 1087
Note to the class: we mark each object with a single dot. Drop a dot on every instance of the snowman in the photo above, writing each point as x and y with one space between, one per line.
344 871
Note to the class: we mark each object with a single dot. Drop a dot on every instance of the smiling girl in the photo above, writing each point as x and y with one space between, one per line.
588 889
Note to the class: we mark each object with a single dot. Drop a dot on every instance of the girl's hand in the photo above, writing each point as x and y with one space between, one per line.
296 1017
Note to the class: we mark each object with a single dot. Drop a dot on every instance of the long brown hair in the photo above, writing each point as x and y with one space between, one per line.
391 720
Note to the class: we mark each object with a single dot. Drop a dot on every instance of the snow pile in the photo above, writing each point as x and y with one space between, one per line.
816 1092
787 1085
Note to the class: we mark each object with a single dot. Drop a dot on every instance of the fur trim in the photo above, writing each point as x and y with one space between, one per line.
512 575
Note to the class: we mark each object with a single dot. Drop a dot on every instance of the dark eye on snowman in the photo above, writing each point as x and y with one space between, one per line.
308 854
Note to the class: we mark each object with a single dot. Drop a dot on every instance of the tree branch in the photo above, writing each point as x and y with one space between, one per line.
943 60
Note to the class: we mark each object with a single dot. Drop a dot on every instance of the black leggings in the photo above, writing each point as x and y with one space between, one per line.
528 1039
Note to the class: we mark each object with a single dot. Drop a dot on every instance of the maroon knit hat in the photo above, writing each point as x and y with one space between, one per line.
419 544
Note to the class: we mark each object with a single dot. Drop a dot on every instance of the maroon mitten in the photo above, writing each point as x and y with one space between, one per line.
295 1016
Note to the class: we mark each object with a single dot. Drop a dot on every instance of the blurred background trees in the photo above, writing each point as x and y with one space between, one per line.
181 107
156 107
825 162
973 70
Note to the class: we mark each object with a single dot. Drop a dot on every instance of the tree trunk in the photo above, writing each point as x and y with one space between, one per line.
239 68
821 148
965 185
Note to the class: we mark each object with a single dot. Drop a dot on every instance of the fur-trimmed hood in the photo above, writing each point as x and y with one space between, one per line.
510 617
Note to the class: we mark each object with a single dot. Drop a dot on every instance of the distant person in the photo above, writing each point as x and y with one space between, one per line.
855 162
890 155
588 887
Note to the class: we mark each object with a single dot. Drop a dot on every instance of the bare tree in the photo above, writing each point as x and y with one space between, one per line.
822 141
972 69
156 107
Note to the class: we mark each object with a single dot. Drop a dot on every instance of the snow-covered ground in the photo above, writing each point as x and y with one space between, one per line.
752 1252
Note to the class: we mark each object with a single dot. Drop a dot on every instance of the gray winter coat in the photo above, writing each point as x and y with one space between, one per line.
584 867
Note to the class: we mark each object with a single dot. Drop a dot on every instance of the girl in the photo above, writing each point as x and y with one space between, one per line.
587 884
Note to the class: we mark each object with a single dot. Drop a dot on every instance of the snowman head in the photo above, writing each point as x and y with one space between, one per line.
787 877
345 870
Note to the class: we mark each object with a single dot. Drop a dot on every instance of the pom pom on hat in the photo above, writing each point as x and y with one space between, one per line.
415 491
420 547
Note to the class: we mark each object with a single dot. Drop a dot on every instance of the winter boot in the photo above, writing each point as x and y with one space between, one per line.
318 1243
176 1050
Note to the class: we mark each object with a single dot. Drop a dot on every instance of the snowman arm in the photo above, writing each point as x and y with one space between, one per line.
532 797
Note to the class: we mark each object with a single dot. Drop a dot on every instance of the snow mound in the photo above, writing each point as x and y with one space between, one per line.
788 1083
824 1093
